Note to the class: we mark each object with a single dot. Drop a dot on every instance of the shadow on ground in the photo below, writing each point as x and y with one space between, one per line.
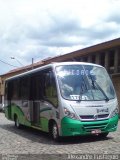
42 137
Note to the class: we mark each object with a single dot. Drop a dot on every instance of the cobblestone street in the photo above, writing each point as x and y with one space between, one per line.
31 141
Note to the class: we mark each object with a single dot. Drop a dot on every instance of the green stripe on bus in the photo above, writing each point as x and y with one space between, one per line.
15 109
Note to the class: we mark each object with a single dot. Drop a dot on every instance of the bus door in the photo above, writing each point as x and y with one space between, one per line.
35 99
36 113
24 91
44 96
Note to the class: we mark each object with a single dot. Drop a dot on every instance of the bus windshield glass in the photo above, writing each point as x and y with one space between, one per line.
84 83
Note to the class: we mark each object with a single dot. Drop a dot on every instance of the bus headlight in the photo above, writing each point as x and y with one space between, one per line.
70 114
116 111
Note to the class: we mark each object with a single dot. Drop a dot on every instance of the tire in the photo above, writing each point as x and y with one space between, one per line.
17 124
54 132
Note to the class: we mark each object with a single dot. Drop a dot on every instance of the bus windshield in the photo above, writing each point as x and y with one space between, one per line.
84 83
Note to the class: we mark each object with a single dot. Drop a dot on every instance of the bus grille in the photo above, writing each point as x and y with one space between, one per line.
91 117
90 127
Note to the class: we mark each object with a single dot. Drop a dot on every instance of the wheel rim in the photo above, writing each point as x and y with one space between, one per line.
55 131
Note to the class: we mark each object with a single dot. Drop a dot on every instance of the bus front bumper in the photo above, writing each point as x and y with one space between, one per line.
71 127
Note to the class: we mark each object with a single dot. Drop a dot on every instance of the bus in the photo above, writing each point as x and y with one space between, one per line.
63 99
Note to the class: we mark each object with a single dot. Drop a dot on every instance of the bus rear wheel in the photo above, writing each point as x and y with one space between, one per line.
54 132
17 124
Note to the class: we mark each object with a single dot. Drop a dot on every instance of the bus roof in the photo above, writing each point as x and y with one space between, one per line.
54 64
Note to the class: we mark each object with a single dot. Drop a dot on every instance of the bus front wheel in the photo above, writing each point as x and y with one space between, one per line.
55 133
17 124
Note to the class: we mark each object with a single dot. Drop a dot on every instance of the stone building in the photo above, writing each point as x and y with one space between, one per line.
106 54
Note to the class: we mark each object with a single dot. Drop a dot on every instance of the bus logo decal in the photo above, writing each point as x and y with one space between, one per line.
95 116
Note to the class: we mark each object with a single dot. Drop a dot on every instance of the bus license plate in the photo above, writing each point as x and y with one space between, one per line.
96 131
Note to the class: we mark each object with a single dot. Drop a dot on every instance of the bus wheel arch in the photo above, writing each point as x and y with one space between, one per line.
16 120
53 130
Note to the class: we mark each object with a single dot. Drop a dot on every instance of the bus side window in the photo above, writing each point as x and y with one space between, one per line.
16 91
37 86
9 90
6 91
50 88
25 88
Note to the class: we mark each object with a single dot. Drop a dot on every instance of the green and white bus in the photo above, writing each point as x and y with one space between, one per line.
64 99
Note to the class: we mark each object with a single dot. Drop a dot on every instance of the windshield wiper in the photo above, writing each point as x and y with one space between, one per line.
100 89
106 97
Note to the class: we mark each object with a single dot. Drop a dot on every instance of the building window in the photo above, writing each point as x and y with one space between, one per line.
85 59
93 58
78 59
119 60
111 58
102 59
111 61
